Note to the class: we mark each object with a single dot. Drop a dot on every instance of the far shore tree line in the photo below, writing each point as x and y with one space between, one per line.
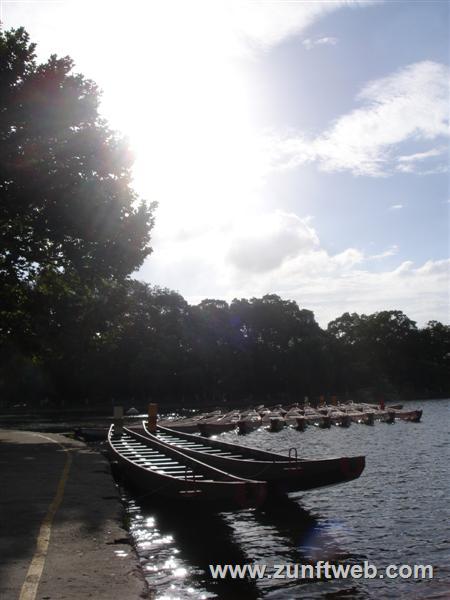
76 329
137 343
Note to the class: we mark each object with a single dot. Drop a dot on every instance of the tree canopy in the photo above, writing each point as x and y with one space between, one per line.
71 226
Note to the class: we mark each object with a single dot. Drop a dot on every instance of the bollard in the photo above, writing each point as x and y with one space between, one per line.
334 400
152 415
118 420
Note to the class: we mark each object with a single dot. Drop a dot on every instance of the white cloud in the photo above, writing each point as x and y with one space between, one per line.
262 243
396 207
413 168
264 24
419 156
392 251
411 163
410 105
310 43
281 253
436 267
329 287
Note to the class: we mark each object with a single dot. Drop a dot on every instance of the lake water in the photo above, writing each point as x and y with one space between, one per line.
395 513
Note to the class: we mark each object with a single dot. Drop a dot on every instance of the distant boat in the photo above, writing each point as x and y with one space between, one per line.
161 470
277 424
282 473
249 421
411 415
273 419
339 418
221 424
190 424
292 415
317 418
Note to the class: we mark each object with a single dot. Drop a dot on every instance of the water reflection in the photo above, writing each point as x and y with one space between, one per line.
394 514
176 546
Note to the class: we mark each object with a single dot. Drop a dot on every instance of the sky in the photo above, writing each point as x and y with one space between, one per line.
297 148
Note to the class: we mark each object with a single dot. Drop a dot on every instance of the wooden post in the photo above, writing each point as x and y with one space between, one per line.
118 420
152 416
334 400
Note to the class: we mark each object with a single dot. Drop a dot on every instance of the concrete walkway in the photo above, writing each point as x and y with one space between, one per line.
60 523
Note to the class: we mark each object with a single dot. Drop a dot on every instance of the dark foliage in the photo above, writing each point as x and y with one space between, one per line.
71 227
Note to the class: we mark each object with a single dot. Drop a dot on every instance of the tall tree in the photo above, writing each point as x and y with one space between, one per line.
71 226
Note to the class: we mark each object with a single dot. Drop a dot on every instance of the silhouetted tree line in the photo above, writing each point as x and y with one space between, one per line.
75 328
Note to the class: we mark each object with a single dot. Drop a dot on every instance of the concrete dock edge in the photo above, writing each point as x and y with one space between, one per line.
89 553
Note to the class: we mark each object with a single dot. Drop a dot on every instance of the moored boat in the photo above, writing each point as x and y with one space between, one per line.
316 418
301 423
282 473
361 413
249 422
386 416
157 468
292 415
339 418
411 415
217 425
277 424
273 419
189 424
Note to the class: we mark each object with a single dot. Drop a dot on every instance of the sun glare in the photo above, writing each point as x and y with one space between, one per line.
173 76
187 109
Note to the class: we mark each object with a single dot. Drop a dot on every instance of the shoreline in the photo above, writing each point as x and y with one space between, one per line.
64 534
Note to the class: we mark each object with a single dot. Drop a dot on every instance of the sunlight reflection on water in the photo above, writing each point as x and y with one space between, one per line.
394 514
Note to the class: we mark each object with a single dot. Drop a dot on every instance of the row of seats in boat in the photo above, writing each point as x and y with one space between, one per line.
182 443
153 459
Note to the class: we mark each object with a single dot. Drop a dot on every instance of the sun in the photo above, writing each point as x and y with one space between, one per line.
189 113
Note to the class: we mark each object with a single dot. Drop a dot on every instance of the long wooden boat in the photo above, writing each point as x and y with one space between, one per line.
302 423
291 417
339 418
274 420
386 416
216 427
282 473
249 422
221 424
277 424
322 421
162 470
411 415
190 424
390 407
367 418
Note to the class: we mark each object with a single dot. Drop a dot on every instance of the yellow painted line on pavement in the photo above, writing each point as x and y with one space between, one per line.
31 583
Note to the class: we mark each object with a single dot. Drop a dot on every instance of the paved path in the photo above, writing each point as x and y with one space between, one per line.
60 523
